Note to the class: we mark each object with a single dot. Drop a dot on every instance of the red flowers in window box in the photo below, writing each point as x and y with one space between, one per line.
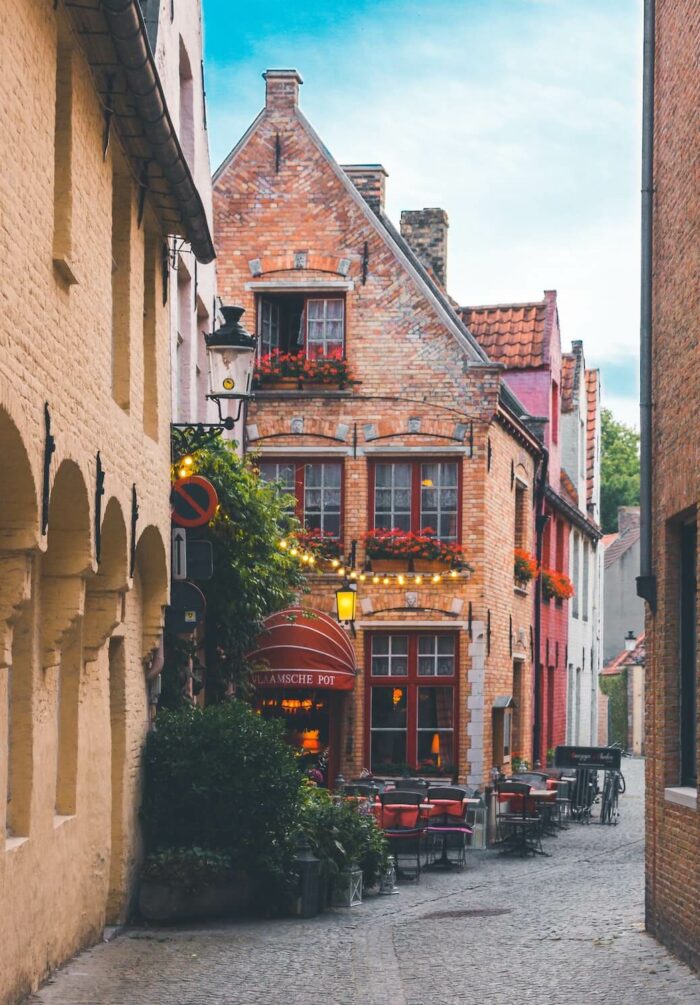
556 584
319 542
525 567
278 366
405 544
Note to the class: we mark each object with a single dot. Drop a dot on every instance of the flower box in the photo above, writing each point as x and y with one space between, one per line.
273 370
281 384
430 564
347 888
406 545
170 902
556 584
389 564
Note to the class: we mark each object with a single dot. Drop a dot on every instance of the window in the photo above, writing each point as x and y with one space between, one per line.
300 323
416 496
586 575
317 489
688 654
150 354
63 159
576 582
122 245
555 412
412 720
520 515
502 735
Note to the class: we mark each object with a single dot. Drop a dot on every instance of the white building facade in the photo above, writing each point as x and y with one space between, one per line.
580 434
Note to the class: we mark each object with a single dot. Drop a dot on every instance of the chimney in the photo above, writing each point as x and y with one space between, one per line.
426 232
282 89
370 182
627 517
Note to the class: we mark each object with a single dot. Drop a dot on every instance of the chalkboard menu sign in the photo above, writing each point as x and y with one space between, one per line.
596 758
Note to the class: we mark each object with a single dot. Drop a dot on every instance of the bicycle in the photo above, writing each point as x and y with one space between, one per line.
612 789
623 783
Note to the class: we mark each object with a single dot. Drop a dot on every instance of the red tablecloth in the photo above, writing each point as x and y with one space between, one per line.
397 815
451 807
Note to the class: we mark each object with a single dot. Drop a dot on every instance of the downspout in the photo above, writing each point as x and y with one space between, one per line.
646 581
540 524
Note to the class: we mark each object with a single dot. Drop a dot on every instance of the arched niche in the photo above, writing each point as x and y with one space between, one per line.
152 576
105 590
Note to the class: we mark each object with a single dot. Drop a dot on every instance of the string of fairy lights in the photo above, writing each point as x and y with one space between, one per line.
343 570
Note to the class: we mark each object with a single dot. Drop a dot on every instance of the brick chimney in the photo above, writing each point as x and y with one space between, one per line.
627 517
426 232
370 182
282 89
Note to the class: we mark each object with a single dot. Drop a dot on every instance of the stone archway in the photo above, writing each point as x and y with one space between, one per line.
152 580
19 534
64 569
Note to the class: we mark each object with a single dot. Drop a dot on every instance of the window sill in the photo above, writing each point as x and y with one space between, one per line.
13 843
315 392
60 819
65 268
682 795
522 591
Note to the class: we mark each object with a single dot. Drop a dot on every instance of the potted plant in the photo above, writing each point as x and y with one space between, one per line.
556 584
424 551
292 371
186 884
525 567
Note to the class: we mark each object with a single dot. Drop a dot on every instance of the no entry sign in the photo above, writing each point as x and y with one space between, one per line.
194 501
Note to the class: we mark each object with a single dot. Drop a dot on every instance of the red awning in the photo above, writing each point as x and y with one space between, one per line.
303 648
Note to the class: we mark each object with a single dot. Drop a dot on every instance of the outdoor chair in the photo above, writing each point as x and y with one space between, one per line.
412 785
447 824
404 825
518 824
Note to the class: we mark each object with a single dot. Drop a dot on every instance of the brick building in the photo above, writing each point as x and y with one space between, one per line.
670 350
94 183
424 432
525 339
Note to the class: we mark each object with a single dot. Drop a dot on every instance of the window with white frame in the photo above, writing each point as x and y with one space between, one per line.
417 496
317 490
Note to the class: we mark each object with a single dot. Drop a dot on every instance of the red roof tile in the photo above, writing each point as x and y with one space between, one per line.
513 334
626 658
568 377
592 377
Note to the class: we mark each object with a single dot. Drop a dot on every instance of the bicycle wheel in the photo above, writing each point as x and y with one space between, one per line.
605 802
623 784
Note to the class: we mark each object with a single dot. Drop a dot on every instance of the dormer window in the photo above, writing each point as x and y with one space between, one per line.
302 323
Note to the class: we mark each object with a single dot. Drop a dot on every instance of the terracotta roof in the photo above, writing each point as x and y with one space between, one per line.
516 335
624 659
609 538
568 487
568 378
620 543
592 377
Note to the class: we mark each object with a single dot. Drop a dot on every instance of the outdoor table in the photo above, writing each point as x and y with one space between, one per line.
400 814
446 808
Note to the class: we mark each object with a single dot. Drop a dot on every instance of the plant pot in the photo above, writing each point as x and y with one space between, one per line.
281 384
347 888
429 565
169 903
322 385
380 565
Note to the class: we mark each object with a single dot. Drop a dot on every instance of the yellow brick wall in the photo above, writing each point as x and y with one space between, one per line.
56 348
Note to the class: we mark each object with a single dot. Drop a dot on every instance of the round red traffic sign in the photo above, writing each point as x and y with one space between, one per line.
194 501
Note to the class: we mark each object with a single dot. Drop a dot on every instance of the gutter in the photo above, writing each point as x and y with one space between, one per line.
646 580
573 514
130 40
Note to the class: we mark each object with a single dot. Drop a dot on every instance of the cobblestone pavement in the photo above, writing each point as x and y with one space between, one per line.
566 929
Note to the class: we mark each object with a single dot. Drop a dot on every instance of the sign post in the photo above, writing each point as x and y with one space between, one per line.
179 553
194 501
596 758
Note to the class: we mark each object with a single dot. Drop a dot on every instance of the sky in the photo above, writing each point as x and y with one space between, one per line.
520 118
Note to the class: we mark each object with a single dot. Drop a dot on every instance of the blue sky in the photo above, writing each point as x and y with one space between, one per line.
521 118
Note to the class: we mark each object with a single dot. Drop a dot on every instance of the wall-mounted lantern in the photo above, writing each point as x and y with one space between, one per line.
346 604
231 352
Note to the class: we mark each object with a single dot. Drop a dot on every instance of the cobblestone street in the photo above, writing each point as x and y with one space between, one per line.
563 929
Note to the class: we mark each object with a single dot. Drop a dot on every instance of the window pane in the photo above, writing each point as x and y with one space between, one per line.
402 475
439 498
434 707
426 644
399 666
389 707
315 308
380 666
392 496
388 749
435 749
335 308
380 644
426 666
445 644
399 644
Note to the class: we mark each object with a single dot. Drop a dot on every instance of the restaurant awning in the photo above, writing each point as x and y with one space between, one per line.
303 648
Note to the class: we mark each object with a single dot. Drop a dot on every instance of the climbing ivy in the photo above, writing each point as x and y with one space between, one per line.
615 687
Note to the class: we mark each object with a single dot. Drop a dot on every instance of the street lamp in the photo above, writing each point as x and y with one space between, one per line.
231 351
346 603
630 641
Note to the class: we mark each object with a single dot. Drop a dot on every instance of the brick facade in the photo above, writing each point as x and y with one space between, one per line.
673 825
288 219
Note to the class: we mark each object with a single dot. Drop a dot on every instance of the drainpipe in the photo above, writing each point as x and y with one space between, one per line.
646 581
540 524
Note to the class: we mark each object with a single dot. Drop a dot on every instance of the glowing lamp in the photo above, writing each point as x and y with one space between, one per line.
346 602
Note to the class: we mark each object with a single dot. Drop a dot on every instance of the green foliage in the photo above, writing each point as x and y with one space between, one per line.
615 687
222 778
343 833
192 867
252 576
619 469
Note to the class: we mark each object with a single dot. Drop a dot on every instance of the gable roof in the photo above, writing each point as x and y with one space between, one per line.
568 379
592 387
620 543
516 335
627 658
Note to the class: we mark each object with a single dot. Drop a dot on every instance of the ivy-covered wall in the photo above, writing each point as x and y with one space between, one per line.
615 687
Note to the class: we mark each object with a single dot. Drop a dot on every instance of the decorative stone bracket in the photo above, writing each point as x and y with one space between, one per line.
104 610
63 603
15 593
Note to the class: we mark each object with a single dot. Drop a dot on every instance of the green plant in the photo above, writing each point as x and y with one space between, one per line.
619 469
343 833
550 755
192 867
223 778
252 576
518 764
615 687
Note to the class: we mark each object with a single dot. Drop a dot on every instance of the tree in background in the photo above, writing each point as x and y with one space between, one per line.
619 469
